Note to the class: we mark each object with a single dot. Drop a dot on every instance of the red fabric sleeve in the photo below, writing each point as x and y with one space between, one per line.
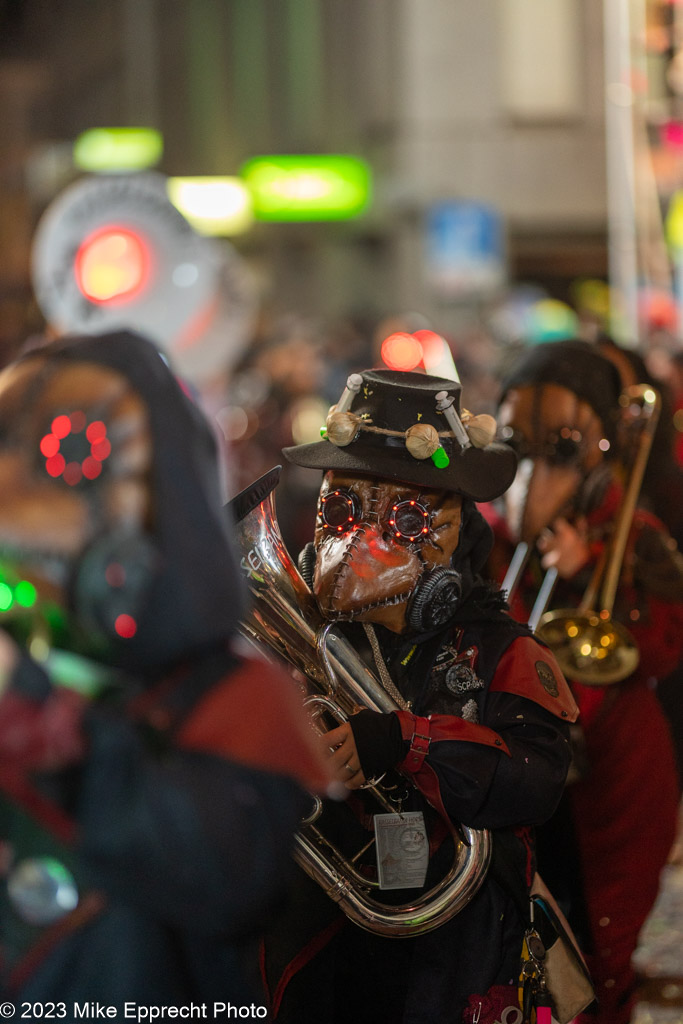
256 717
529 670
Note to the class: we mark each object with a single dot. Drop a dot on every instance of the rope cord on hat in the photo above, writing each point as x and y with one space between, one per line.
398 433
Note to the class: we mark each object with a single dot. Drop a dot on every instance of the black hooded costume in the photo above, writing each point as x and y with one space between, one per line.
168 799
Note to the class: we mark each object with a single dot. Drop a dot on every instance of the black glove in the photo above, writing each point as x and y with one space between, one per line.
378 739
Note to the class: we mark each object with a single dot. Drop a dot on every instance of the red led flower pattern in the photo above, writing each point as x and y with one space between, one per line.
73 471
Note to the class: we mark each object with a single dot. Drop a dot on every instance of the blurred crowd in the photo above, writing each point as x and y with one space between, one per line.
557 373
296 367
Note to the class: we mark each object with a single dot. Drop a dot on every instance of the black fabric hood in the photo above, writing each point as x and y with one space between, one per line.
481 597
196 596
576 365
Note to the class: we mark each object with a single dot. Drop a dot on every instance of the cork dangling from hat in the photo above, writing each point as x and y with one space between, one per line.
409 427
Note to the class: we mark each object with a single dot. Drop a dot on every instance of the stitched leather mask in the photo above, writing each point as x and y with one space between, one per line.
375 540
560 443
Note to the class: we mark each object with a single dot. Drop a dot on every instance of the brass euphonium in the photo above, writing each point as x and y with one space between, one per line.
284 618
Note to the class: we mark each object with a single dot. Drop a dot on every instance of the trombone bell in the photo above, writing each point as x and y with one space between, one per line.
589 645
593 650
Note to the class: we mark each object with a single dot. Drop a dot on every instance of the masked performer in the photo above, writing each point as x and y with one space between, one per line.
151 777
481 730
560 410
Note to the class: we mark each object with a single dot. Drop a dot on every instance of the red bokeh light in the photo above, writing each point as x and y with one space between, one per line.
432 345
115 574
61 426
55 465
96 431
112 265
100 449
401 351
72 473
91 466
125 626
49 445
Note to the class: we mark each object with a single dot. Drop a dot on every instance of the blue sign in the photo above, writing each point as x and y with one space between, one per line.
465 248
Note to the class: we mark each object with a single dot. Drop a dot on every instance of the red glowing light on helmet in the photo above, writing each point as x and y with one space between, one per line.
112 265
401 351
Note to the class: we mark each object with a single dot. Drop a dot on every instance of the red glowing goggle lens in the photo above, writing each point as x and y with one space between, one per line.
409 520
340 511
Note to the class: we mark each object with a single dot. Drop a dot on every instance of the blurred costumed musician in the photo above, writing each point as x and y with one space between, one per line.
560 410
482 726
151 777
662 486
662 493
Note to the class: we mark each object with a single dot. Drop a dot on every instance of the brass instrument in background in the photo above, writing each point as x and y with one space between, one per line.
589 645
284 618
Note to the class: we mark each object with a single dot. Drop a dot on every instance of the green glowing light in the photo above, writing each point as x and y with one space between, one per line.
6 597
306 188
112 150
25 594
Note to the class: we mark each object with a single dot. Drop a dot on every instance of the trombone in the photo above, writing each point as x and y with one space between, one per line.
518 563
588 644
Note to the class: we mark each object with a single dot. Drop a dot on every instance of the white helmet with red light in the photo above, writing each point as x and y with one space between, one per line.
112 252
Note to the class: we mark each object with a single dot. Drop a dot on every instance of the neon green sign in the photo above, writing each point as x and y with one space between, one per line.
115 150
304 188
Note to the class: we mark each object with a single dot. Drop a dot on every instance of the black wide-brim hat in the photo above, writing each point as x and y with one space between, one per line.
389 403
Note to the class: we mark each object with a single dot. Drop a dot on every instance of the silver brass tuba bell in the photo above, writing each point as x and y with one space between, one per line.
284 618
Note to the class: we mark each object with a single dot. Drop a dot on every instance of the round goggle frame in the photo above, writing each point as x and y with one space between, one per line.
407 521
339 511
